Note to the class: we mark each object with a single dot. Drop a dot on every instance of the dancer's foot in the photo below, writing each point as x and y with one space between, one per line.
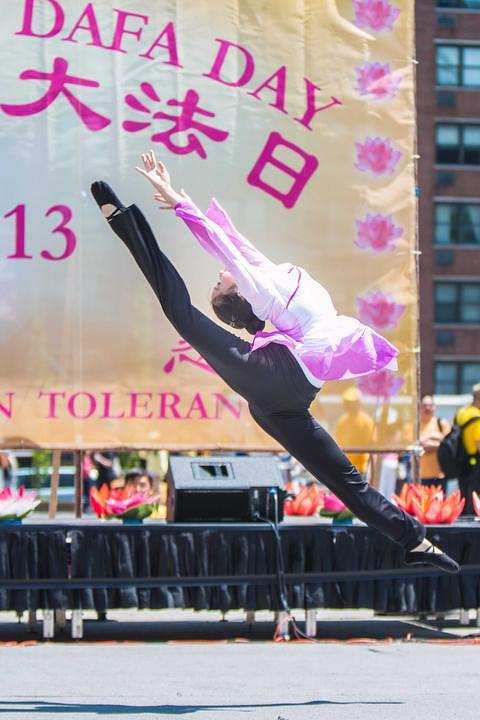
428 554
106 199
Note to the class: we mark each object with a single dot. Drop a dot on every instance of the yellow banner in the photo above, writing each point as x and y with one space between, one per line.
298 117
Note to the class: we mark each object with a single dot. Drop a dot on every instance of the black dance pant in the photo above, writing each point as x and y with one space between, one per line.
271 381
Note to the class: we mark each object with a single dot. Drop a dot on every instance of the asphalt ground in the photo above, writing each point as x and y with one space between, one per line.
173 663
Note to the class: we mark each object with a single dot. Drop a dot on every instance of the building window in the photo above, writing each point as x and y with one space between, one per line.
456 378
458 65
465 4
457 224
457 302
458 144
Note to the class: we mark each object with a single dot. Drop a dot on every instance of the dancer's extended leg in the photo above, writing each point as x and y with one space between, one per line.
311 445
318 452
224 351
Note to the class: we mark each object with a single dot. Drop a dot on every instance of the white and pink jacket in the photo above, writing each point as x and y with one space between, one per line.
327 346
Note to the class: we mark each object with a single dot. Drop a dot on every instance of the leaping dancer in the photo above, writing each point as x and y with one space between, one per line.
279 373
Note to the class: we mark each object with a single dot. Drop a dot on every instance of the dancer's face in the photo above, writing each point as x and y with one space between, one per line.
226 284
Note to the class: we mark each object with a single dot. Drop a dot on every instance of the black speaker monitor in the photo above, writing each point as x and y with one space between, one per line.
224 489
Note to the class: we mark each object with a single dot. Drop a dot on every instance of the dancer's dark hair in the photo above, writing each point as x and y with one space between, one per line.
236 311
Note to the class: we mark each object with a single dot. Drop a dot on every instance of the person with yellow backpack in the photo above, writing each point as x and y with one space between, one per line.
469 480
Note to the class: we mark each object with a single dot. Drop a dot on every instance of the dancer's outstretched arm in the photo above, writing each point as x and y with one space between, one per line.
220 217
220 241
254 279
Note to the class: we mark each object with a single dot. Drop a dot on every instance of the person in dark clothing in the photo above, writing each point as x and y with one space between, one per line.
469 480
276 383
103 462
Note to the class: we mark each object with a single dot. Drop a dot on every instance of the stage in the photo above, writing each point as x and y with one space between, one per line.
89 564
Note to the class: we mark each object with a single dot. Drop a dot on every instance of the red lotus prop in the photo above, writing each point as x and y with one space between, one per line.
121 502
429 504
307 501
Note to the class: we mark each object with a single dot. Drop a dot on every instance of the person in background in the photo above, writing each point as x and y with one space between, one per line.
155 462
89 477
432 431
470 481
406 462
139 480
388 434
104 464
355 428
145 483
5 469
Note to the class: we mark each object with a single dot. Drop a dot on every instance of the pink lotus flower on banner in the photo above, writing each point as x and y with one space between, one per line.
382 384
377 233
375 15
377 155
377 80
379 310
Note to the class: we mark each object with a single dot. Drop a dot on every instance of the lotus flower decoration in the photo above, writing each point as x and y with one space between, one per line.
306 500
377 233
379 309
333 507
429 504
17 505
124 503
382 384
377 80
376 15
377 155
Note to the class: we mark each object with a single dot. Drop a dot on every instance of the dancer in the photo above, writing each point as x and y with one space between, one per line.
280 373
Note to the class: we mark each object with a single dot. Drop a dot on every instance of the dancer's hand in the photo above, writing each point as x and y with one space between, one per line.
156 172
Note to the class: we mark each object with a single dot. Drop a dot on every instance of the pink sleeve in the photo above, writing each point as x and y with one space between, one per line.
221 218
254 282
211 237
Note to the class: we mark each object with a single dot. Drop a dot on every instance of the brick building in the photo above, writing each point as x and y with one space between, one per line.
448 106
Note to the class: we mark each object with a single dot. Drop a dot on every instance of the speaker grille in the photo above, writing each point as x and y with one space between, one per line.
212 505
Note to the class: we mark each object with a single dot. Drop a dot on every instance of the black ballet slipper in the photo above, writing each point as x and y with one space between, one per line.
104 195
430 557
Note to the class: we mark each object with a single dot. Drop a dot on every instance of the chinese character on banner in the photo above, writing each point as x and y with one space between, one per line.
180 354
300 176
58 80
181 122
